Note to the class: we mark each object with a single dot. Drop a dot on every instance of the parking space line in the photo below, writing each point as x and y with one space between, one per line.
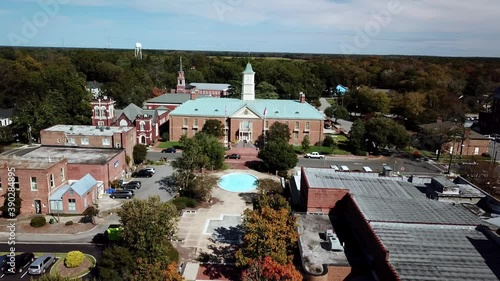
26 272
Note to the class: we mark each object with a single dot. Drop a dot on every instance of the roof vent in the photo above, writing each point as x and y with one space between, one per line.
102 129
108 128
196 109
276 112
71 128
296 112
216 110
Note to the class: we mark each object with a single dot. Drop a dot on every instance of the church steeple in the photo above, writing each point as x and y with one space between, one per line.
181 80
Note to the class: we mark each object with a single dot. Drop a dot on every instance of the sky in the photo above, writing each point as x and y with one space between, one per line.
382 27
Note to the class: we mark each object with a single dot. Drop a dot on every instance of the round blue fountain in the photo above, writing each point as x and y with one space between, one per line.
238 182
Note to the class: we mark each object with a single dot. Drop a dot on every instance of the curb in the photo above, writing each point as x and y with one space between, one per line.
50 234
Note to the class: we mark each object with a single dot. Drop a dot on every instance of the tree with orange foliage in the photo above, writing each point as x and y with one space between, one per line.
268 232
267 269
153 272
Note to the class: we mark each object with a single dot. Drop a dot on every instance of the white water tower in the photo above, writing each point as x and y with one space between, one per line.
138 51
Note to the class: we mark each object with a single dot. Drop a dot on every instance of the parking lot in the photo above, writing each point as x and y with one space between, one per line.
22 275
156 185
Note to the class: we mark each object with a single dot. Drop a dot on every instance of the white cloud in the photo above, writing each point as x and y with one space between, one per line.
415 15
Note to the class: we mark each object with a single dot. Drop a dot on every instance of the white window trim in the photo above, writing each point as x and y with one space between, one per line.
35 183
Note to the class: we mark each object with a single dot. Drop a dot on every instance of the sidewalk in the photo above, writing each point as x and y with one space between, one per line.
82 237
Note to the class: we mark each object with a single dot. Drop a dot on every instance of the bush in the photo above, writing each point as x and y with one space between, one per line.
74 259
68 223
328 141
184 202
38 221
164 137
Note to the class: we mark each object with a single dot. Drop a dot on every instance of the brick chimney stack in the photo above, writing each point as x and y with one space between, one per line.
302 97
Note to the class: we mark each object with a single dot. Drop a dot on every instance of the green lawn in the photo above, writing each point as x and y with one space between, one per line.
169 144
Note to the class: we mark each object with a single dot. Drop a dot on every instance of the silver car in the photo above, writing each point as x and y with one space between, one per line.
41 264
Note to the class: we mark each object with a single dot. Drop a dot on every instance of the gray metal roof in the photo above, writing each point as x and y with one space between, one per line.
75 155
171 99
390 199
429 252
414 210
86 130
131 112
210 86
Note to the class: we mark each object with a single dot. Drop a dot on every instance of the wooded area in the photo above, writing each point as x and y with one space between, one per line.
47 86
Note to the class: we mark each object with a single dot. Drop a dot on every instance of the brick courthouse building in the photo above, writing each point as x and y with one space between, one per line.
247 118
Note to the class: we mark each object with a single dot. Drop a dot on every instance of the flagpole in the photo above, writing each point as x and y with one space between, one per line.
265 132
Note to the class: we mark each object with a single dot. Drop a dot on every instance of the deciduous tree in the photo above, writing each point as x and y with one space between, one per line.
266 91
268 232
266 269
485 175
148 224
305 143
213 127
279 131
278 155
140 153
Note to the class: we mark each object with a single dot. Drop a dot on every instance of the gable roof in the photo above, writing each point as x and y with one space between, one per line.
170 99
83 186
210 86
131 111
448 125
276 109
6 112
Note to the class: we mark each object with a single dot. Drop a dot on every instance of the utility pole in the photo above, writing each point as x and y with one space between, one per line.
451 156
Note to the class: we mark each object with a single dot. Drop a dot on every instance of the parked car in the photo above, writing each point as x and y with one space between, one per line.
41 264
169 150
143 174
132 185
233 156
335 167
314 155
151 169
21 262
126 193
3 263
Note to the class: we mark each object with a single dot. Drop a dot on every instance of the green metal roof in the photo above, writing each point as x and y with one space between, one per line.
170 98
220 107
248 69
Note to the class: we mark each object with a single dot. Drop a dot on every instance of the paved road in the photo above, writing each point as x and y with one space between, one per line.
403 165
47 248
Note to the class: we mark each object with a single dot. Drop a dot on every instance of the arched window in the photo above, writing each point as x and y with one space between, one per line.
141 125
103 111
97 111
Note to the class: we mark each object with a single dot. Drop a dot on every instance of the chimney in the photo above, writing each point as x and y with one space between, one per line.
302 97
466 133
439 120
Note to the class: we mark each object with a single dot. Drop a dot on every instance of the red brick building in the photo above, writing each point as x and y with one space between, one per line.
36 178
90 137
148 123
391 229
103 164
466 141
199 89
248 118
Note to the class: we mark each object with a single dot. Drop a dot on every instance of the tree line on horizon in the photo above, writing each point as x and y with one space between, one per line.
47 85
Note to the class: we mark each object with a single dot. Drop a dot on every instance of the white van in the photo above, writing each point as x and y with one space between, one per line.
344 168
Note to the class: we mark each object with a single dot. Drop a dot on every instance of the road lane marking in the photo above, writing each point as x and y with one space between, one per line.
24 274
